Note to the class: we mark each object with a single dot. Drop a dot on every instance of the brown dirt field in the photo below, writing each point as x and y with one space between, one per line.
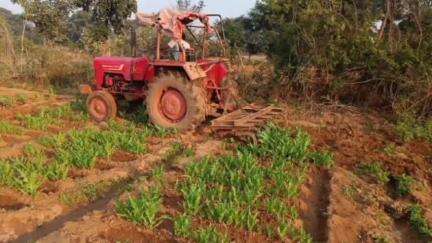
336 205
358 138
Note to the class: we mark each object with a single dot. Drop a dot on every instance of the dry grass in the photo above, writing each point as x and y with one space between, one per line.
40 65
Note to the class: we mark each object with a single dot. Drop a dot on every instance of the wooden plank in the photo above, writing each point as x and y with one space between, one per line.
253 116
228 116
244 122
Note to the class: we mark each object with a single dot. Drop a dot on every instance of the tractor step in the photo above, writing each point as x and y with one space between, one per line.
246 122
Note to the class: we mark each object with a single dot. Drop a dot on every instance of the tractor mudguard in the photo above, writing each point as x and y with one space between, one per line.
194 71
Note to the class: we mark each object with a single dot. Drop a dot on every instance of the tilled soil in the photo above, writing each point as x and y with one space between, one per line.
336 204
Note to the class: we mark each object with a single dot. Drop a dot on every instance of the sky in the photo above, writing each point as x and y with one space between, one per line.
228 8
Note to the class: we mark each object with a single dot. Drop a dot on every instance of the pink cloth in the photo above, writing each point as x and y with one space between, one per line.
173 22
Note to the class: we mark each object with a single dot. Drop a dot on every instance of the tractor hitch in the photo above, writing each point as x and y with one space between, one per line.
246 122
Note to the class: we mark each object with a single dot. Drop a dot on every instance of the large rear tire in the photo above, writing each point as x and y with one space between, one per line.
175 102
101 106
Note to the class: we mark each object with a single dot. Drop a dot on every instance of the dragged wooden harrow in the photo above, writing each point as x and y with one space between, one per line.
246 122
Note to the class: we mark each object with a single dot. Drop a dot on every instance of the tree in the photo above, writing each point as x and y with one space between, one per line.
187 5
235 32
241 33
328 47
51 17
110 14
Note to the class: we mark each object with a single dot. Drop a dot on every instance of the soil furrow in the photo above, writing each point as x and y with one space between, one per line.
98 205
315 203
59 222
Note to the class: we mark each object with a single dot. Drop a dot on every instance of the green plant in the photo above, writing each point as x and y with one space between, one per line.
418 222
175 150
285 185
210 235
82 148
279 143
183 226
324 158
22 99
160 131
375 170
87 193
409 128
277 208
22 174
193 194
56 171
53 141
142 210
390 149
300 235
350 192
158 175
32 151
404 184
8 128
29 173
40 122
381 239
7 101
189 152
231 189
52 171
283 229
48 117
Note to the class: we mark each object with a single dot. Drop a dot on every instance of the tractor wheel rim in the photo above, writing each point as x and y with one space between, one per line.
98 108
173 105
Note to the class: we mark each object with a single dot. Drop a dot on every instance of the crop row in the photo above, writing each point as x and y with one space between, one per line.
253 190
52 157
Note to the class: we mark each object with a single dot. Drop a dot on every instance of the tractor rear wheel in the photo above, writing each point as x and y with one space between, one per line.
101 106
175 102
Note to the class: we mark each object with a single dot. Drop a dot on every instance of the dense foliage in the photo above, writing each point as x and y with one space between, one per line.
367 52
94 19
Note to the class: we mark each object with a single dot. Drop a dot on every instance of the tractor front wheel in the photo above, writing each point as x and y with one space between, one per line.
101 106
175 102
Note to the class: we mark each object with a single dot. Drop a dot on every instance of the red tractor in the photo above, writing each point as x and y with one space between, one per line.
180 86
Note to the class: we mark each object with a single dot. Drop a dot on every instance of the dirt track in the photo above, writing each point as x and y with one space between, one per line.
336 205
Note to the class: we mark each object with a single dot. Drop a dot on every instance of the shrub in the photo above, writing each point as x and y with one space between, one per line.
335 51
419 222
403 185
409 128
375 170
